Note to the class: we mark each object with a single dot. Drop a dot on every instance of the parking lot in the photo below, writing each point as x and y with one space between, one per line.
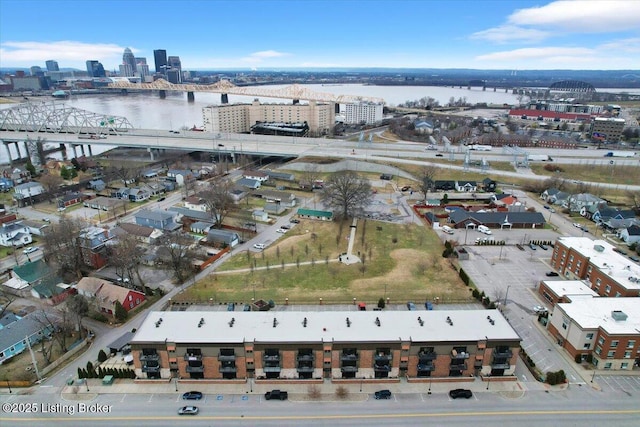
618 383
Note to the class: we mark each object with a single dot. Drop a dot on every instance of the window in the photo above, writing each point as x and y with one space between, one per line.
618 294
607 289
610 354
631 343
565 323
614 344
624 365
607 365
598 350
130 298
601 340
590 336
586 346
627 355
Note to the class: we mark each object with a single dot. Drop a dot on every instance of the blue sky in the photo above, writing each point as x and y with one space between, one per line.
241 34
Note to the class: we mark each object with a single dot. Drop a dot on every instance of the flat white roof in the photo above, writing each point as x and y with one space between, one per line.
593 313
601 254
570 288
323 326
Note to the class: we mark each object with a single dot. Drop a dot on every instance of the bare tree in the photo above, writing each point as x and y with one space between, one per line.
426 183
6 300
78 307
61 245
180 255
310 175
634 200
218 200
125 173
125 256
58 324
347 192
51 183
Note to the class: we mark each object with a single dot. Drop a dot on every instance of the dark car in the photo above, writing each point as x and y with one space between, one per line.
285 227
405 188
192 395
552 274
162 199
460 392
543 247
294 221
382 394
438 155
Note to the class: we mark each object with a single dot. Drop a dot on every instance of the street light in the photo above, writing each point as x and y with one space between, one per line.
86 382
506 295
488 382
9 385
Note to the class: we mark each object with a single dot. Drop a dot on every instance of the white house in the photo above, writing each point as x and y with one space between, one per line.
15 234
28 189
256 175
630 235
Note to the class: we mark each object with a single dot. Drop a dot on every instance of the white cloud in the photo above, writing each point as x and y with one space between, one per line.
511 33
581 16
538 53
630 45
257 57
67 53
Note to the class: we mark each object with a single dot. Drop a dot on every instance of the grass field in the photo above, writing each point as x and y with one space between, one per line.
594 171
401 262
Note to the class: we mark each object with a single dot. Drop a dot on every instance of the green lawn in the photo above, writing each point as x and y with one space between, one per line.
594 171
401 262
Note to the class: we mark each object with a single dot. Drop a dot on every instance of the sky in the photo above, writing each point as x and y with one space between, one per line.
243 34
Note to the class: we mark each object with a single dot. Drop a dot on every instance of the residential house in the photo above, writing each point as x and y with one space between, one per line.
105 294
15 234
96 184
251 184
37 228
139 194
195 203
446 185
546 194
70 199
461 219
14 335
33 272
630 235
604 214
16 175
26 190
559 198
155 188
200 227
274 208
103 203
180 176
148 235
121 193
283 198
315 214
260 215
282 176
255 175
466 186
489 185
423 127
52 290
238 193
576 202
223 237
189 216
92 242
162 220
6 184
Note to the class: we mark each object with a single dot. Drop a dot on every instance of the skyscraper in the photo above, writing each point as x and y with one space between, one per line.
95 69
128 67
52 65
175 66
160 57
141 67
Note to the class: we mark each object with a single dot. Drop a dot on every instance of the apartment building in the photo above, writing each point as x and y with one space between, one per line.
607 128
608 273
608 329
363 112
238 118
214 345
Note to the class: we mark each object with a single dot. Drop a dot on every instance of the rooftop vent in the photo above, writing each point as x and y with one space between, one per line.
619 315
377 321
275 322
420 321
449 321
201 322
598 248
159 322
304 322
232 321
493 322
348 323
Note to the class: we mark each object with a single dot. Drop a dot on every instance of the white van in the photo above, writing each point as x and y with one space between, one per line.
447 229
484 229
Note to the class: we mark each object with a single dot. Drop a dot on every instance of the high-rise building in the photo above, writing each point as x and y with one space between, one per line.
363 112
141 67
95 69
36 71
128 67
174 65
160 58
52 65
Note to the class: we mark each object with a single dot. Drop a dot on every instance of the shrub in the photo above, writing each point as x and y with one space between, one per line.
313 391
102 356
381 303
342 392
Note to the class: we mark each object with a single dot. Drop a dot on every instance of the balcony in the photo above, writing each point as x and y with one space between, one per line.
149 357
226 357
190 357
382 357
304 368
426 367
460 355
271 358
500 365
382 368
271 369
427 355
194 369
154 369
456 366
306 358
502 352
228 369
349 368
349 357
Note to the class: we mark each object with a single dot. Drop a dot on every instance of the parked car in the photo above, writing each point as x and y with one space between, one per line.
162 199
538 309
188 410
285 227
577 225
294 221
543 247
519 246
259 246
551 274
546 207
620 251
460 392
281 230
532 246
382 394
192 395
30 250
276 395
406 188
438 155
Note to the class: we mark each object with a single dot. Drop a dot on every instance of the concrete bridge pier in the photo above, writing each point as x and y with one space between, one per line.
191 97
163 94
150 151
82 149
63 150
75 153
224 98
18 150
90 151
6 146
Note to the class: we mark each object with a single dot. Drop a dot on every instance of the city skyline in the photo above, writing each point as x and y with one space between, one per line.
515 35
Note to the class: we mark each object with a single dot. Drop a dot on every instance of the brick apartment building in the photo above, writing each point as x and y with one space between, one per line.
606 328
382 345
609 273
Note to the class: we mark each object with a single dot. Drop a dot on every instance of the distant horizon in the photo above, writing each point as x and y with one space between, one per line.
326 34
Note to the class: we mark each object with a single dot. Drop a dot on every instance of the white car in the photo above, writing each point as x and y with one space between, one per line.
30 250
281 230
539 309
575 224
259 246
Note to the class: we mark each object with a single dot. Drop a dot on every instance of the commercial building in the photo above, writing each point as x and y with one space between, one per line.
128 66
363 112
238 118
608 273
607 128
383 345
160 59
608 329
52 65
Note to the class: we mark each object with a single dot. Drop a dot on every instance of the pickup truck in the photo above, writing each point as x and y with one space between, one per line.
276 395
